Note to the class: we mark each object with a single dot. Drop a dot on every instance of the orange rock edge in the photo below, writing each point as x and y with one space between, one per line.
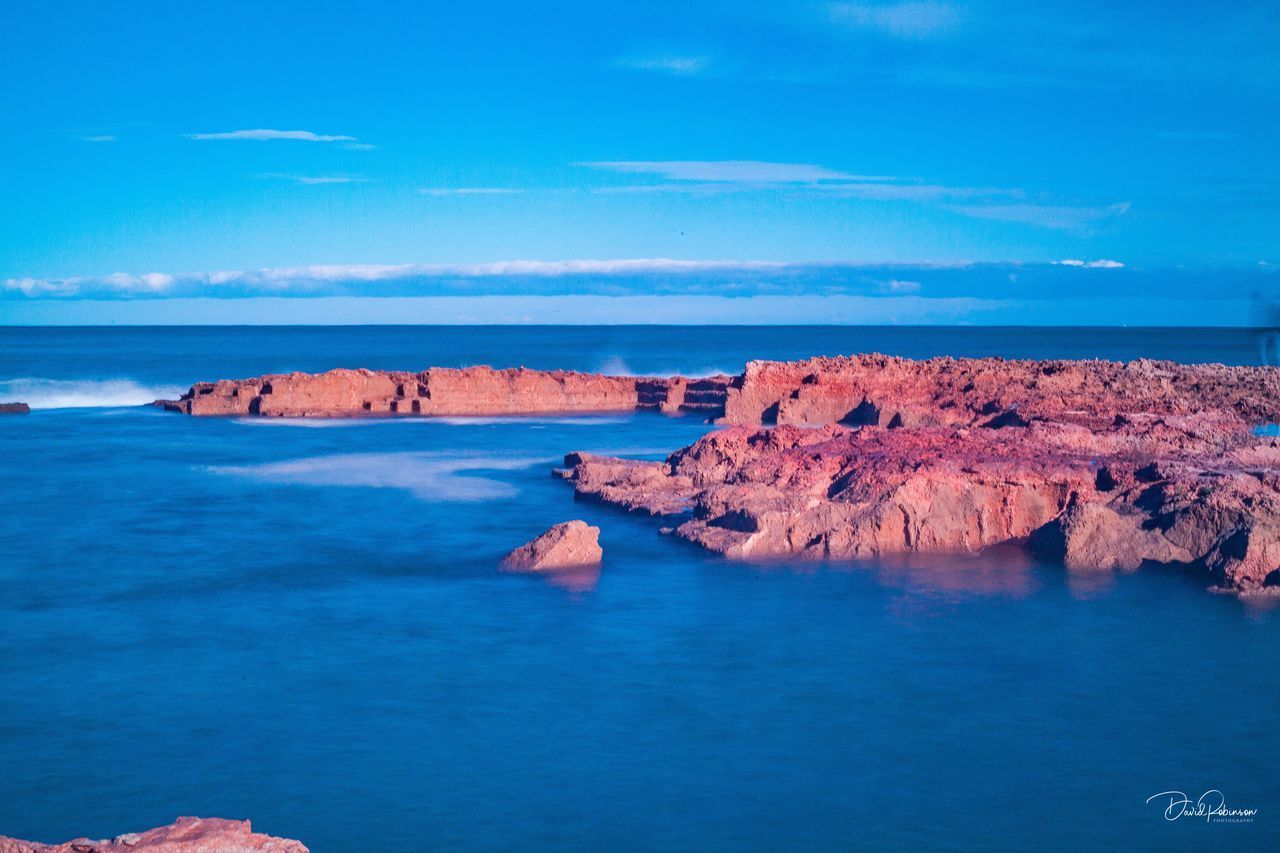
1103 465
185 835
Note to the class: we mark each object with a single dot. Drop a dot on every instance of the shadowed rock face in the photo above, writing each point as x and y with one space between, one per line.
14 409
185 835
570 544
447 391
1192 489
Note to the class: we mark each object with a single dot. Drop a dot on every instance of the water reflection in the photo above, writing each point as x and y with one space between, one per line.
1001 570
1084 585
575 580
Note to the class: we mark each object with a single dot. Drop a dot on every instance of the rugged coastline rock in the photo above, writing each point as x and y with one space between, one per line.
1195 489
448 391
568 545
878 390
184 835
862 390
14 409
1104 465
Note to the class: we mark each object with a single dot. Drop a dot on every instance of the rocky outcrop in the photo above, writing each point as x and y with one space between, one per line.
1195 489
570 544
14 409
185 835
863 390
447 391
879 390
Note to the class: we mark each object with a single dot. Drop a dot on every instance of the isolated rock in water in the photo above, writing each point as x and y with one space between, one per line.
566 545
14 409
184 835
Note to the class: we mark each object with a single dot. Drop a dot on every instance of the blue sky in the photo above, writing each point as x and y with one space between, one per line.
160 160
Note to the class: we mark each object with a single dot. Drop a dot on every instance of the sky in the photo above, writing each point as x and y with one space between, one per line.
920 161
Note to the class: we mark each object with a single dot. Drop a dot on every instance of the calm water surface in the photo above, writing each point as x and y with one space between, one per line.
303 623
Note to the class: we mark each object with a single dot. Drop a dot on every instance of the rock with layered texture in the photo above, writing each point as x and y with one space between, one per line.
185 835
447 391
880 390
14 409
1194 489
570 544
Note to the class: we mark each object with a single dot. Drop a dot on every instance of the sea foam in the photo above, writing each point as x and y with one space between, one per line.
428 476
41 393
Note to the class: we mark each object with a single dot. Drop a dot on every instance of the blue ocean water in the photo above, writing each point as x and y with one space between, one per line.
303 623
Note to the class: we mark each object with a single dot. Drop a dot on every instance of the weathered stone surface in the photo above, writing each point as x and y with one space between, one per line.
184 835
1106 465
14 409
1198 489
898 392
570 544
447 391
862 390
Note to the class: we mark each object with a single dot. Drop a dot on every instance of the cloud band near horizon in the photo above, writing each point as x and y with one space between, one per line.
1071 278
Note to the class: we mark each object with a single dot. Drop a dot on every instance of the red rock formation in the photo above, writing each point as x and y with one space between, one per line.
447 391
885 391
184 835
1148 488
1106 465
570 544
14 409
858 390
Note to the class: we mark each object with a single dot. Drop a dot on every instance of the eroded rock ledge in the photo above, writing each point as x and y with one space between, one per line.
448 391
185 835
855 391
1105 466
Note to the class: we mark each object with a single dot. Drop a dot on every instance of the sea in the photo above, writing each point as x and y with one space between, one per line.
304 623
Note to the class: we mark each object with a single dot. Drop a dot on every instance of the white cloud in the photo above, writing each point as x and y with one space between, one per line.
898 287
1056 216
153 283
728 171
103 137
1100 264
315 180
449 191
262 135
308 278
911 20
680 66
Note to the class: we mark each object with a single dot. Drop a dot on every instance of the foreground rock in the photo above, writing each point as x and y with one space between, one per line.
14 409
185 835
1199 490
570 544
448 391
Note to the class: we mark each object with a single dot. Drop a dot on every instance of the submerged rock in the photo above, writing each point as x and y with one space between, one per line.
184 835
14 409
570 544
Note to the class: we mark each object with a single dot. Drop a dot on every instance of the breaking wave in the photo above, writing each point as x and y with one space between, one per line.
616 366
41 393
